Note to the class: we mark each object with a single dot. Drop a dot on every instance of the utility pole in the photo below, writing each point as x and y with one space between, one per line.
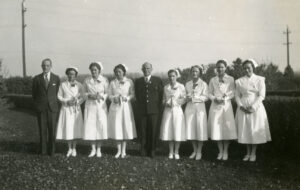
23 38
287 32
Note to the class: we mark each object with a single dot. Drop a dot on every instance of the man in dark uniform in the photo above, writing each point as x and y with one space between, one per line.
149 92
44 93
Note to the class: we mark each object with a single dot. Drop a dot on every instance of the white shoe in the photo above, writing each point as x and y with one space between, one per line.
246 158
74 153
198 156
118 155
177 157
220 156
252 158
93 153
225 156
99 154
123 155
69 153
170 156
193 155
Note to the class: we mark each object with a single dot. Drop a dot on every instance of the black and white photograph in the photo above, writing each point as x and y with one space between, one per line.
147 94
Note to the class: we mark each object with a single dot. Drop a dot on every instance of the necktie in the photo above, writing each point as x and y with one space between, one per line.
46 80
146 79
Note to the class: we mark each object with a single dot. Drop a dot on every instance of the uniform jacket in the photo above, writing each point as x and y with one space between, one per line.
149 95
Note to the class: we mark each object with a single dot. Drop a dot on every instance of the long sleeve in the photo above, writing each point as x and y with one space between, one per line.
110 91
131 94
105 93
211 90
60 95
238 95
164 99
160 91
203 97
34 88
81 95
261 94
181 99
231 90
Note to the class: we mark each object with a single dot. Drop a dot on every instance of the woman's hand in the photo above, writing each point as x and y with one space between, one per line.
250 109
189 98
99 97
92 96
219 100
244 109
71 102
116 100
124 99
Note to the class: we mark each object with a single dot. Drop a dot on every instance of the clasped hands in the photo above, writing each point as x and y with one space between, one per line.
96 97
189 98
119 98
248 109
72 102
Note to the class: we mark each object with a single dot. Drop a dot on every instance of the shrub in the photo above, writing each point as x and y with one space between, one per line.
18 85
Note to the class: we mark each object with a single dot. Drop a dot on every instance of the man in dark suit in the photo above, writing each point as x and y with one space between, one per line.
149 92
44 93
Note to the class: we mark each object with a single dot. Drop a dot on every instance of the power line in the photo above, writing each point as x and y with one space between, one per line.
23 37
287 32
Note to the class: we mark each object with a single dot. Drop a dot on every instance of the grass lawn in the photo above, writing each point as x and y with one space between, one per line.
22 168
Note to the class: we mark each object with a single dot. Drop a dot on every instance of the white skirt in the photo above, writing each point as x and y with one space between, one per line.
221 122
121 122
173 124
95 120
196 121
253 128
70 123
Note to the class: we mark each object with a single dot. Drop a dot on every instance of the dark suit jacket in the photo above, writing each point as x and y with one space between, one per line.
149 95
43 97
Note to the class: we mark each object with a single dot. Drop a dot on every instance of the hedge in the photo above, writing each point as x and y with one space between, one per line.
19 85
283 115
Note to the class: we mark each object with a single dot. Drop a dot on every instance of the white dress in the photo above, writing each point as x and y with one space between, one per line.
173 121
195 111
252 128
95 112
221 121
120 117
70 120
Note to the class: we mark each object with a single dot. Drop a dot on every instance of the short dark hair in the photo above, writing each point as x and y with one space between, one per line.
71 69
249 61
93 64
198 67
172 71
47 59
222 62
120 66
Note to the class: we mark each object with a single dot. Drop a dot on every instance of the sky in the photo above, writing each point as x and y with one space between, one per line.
166 33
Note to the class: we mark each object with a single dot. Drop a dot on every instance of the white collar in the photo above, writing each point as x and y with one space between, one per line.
124 80
147 77
100 78
47 75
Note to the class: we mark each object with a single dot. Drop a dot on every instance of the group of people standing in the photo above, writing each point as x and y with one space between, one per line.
97 123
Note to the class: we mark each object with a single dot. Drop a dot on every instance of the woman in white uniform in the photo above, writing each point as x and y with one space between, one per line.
251 117
70 122
120 116
95 113
195 111
173 121
221 118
